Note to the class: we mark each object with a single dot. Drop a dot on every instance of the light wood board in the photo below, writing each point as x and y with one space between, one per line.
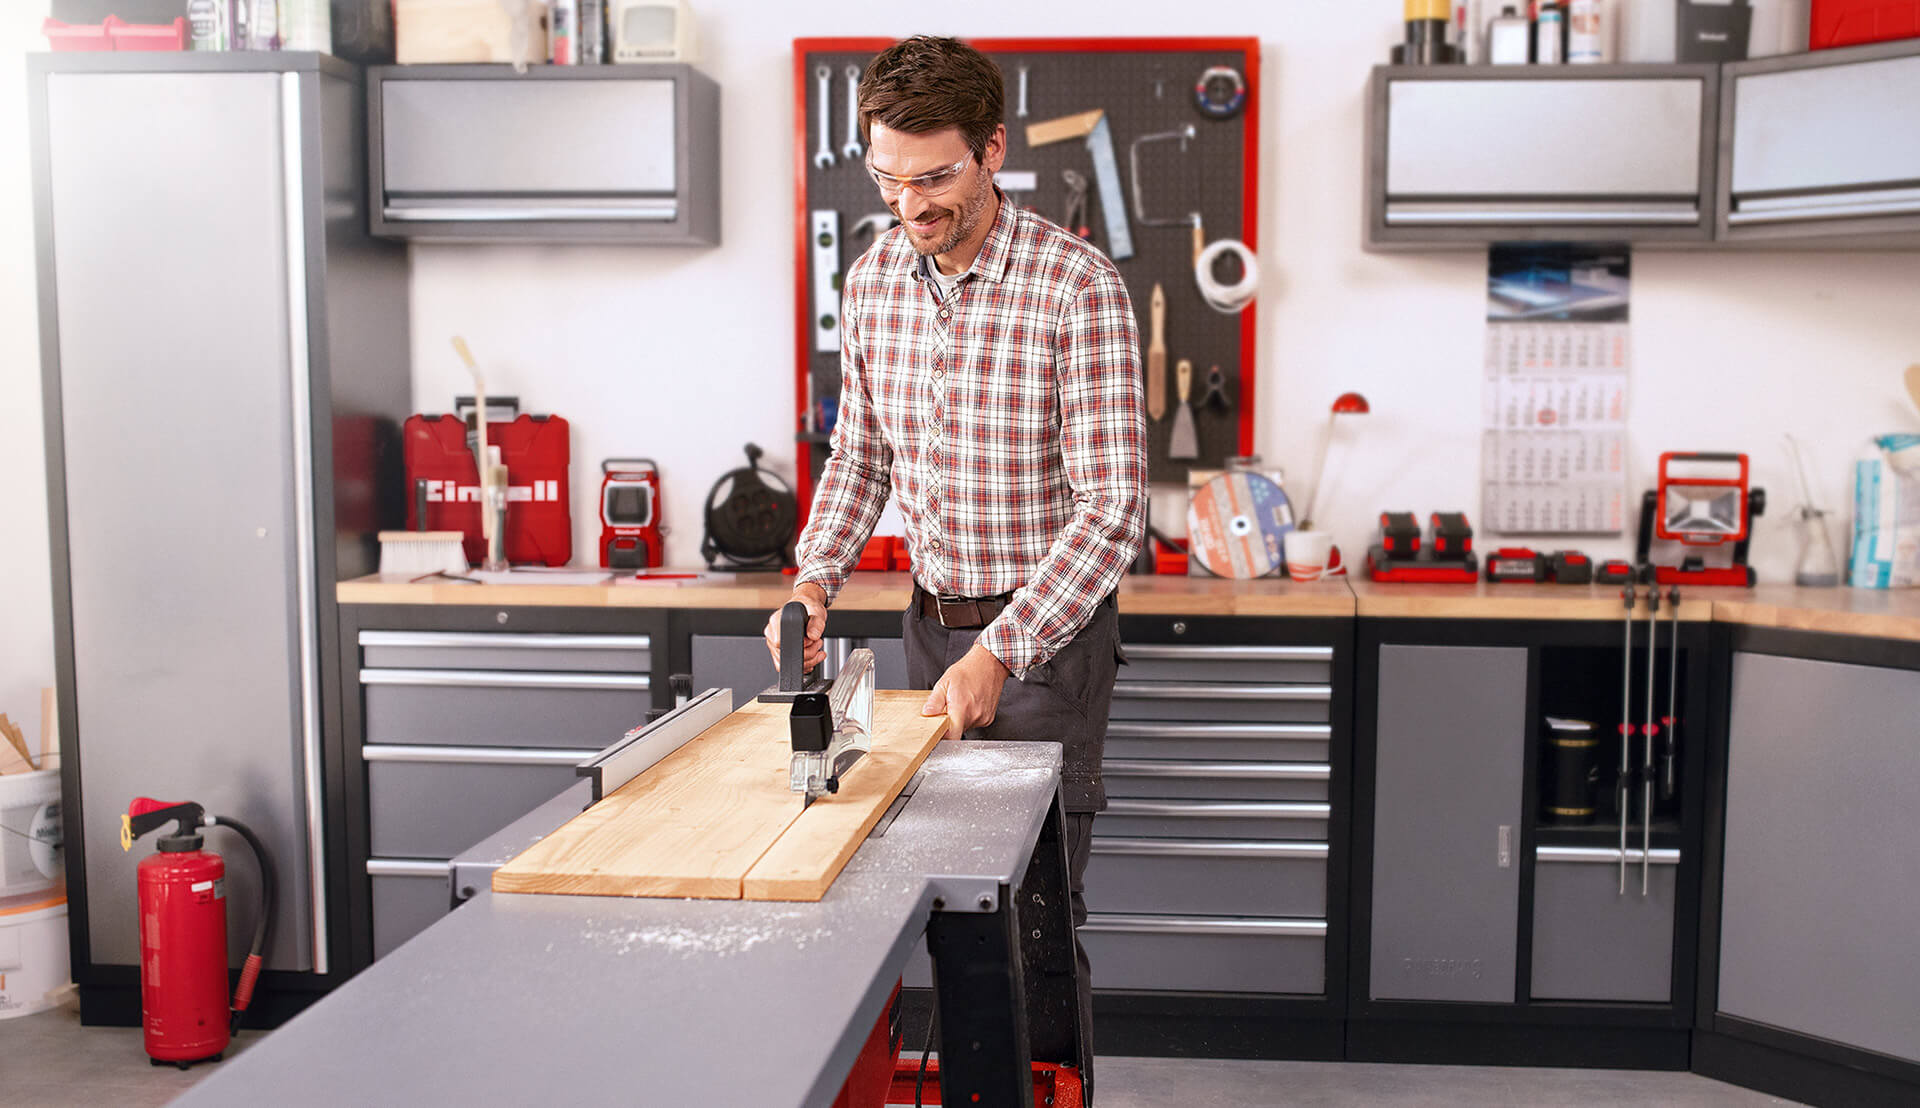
716 820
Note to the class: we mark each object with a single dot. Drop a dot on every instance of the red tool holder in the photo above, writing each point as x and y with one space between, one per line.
1247 231
1851 22
536 451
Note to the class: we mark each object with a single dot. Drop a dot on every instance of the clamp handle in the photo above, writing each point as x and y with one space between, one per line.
793 646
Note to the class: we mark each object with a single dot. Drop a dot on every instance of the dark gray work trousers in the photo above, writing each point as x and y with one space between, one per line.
1065 700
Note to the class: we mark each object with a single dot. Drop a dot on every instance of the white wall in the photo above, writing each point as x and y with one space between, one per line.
26 606
685 354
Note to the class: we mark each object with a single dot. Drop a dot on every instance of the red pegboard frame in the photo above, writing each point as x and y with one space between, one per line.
1249 185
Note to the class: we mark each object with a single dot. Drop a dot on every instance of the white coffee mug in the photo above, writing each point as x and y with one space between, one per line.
1308 554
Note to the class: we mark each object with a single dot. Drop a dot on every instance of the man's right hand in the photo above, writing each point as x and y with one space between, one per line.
815 599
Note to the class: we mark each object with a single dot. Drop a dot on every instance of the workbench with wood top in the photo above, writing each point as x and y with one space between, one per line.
541 998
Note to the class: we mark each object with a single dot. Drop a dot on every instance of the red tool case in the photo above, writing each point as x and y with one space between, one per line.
536 451
1850 22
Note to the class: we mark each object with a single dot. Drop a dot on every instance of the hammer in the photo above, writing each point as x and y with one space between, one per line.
875 225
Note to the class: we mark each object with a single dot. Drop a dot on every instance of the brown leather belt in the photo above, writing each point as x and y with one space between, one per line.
960 613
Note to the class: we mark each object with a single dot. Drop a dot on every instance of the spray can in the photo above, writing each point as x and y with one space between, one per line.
563 31
1546 35
1585 29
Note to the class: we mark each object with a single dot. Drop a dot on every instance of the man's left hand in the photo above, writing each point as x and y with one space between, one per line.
969 692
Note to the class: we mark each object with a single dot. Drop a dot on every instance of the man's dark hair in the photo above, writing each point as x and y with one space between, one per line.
925 84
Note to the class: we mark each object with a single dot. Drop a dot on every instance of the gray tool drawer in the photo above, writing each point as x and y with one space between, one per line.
409 895
1302 665
1161 779
502 707
1156 876
1256 742
1206 955
1590 942
490 651
1240 701
1283 820
436 801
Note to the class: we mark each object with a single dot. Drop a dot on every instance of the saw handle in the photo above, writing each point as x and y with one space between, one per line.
793 646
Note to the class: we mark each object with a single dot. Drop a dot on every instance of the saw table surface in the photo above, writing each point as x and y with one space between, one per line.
540 999
716 818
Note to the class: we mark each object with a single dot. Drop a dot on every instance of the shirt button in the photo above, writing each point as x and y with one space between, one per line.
939 373
933 545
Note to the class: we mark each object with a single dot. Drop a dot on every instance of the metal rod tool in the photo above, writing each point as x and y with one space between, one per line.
1667 782
1646 766
1626 727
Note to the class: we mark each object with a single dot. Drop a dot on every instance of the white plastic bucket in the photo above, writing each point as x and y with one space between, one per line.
30 859
33 953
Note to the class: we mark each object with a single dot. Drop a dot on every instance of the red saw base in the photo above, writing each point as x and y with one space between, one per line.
1053 1086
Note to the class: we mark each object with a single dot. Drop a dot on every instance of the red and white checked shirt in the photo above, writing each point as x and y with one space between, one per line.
1008 422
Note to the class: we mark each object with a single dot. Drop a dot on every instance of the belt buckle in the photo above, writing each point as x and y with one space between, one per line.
940 608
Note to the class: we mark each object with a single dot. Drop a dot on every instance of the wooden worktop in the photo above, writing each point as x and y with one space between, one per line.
1876 613
864 592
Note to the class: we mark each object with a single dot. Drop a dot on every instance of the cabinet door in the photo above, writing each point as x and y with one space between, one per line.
180 449
1818 912
1821 145
1450 751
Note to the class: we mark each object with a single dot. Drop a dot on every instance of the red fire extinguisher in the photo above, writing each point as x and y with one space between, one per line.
183 934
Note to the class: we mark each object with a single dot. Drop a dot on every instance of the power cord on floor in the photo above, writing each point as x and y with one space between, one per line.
926 1048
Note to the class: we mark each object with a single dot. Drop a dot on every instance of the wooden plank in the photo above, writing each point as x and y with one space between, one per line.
695 824
803 862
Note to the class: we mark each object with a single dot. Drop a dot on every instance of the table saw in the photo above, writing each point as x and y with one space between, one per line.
522 998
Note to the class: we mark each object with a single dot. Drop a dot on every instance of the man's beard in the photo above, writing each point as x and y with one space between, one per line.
964 220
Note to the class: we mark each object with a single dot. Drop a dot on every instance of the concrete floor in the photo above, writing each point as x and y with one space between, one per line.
48 1059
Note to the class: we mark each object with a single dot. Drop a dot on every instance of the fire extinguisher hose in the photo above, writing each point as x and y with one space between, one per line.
262 923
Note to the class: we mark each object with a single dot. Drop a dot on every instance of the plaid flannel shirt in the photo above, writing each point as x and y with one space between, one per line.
1008 421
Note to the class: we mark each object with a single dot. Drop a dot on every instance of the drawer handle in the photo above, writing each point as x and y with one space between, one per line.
1146 729
1219 809
1198 848
407 867
461 640
1832 205
1424 212
476 755
1162 653
503 679
1208 925
1243 771
1603 855
1196 690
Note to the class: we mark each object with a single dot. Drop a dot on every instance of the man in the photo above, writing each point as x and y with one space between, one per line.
991 385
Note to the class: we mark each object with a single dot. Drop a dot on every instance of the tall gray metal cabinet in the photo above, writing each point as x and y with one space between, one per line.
224 361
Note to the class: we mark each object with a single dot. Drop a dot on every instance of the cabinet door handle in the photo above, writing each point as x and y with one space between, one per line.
503 640
1238 771
408 867
1197 690
1603 855
1207 925
1148 729
1175 653
475 755
1220 809
503 679
1195 848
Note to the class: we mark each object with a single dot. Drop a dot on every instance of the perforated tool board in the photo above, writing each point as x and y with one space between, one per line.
1145 86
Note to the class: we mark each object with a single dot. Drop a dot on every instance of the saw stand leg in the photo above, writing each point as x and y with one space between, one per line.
981 978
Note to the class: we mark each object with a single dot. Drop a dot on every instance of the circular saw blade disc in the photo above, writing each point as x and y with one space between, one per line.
1235 523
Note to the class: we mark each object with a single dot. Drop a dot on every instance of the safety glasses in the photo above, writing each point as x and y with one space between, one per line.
926 184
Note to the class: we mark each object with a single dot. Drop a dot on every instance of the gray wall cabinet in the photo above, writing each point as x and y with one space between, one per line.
1813 150
626 153
1822 858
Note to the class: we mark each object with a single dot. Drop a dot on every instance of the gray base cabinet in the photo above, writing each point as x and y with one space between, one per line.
1822 859
1446 879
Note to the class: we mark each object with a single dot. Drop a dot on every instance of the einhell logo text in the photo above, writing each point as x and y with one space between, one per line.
453 492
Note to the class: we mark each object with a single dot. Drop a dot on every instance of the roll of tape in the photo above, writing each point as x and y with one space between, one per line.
1233 298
